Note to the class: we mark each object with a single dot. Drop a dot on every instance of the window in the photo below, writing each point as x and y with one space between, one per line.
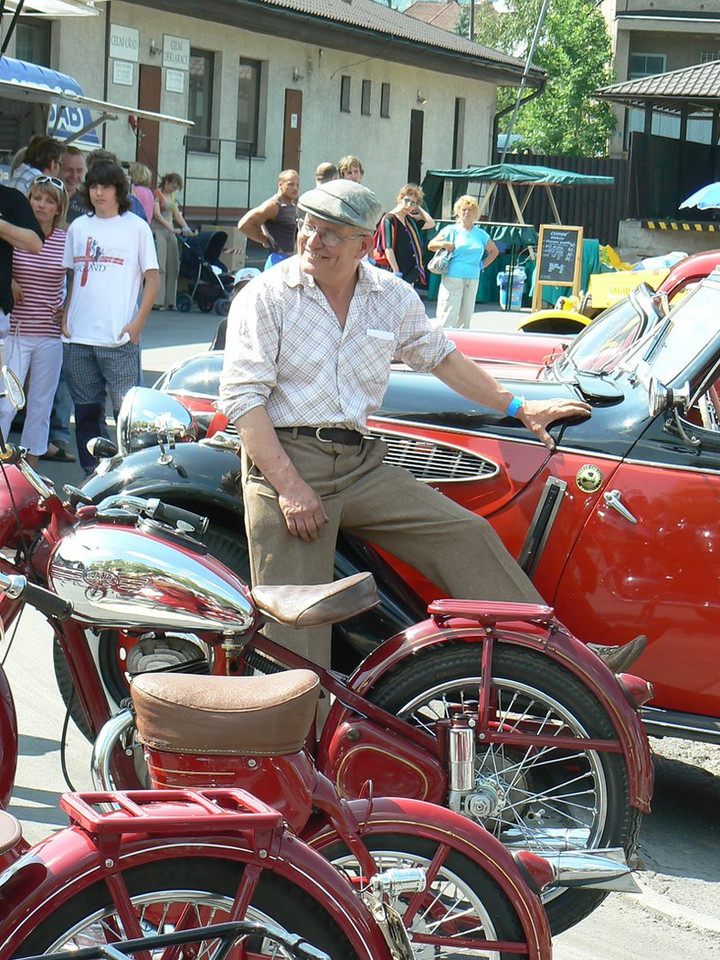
645 65
365 97
385 100
709 56
32 42
458 132
344 94
248 113
202 68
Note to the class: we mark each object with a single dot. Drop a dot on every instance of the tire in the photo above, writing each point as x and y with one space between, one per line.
222 306
184 303
121 654
205 306
534 793
204 886
463 900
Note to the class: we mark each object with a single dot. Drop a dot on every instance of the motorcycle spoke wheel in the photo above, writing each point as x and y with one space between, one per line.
462 902
182 894
539 799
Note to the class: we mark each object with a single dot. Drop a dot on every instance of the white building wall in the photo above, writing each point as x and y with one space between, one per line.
327 134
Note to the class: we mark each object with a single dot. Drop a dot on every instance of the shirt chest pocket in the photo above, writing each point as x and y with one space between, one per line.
377 351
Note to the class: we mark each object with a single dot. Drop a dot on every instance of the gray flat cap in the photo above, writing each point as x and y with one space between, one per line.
343 202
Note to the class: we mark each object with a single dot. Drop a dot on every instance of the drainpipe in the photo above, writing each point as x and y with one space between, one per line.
108 18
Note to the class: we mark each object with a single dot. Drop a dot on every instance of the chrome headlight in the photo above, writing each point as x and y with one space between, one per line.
148 418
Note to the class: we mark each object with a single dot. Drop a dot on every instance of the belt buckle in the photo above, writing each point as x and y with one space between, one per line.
318 437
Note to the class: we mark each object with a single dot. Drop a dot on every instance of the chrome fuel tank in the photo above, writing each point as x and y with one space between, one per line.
124 577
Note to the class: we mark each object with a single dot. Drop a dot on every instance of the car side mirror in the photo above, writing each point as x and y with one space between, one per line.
661 398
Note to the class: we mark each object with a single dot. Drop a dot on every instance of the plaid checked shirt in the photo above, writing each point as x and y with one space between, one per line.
286 350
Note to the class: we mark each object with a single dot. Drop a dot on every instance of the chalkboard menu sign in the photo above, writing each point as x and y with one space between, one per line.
559 259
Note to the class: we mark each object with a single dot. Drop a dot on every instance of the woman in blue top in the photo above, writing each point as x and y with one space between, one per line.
472 250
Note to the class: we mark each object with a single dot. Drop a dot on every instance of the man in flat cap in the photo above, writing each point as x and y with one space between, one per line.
307 360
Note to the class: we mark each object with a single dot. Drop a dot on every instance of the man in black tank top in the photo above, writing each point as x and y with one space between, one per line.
274 223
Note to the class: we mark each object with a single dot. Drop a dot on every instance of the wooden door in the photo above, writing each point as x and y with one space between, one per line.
149 98
292 130
417 118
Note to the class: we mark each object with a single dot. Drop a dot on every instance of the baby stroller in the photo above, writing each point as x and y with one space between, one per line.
208 282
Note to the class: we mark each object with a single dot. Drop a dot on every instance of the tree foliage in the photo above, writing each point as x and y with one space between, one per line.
574 49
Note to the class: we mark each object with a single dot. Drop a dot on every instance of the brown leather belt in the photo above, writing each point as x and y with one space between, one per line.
351 438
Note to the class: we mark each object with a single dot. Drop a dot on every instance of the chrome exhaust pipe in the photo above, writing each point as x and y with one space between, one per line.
602 869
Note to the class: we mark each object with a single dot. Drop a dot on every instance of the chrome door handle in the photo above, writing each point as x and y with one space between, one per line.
612 500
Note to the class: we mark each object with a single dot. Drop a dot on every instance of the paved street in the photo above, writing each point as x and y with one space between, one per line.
678 914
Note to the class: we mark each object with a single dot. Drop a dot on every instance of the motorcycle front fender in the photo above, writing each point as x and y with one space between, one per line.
193 472
69 862
557 644
391 815
8 741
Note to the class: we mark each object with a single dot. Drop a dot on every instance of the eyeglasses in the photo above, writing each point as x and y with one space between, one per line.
328 238
53 180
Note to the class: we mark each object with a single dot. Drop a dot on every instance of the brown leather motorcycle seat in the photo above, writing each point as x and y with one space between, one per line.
312 606
267 716
10 831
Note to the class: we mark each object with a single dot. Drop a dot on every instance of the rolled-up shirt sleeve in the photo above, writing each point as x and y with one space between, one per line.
251 349
421 345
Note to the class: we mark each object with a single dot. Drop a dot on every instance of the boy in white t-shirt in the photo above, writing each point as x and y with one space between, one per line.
110 255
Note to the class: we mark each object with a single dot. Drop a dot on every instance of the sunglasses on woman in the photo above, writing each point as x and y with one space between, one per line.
53 180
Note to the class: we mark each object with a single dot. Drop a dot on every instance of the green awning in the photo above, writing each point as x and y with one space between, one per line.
523 173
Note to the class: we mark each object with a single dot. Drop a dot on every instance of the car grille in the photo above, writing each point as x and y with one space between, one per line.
429 460
434 462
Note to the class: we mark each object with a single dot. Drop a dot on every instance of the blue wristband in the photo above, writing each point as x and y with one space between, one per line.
514 406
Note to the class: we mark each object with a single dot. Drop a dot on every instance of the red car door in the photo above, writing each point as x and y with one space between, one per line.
647 560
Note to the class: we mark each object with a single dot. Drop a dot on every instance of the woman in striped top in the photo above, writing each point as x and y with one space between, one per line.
34 348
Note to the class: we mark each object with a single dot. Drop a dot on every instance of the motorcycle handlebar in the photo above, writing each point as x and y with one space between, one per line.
170 514
18 588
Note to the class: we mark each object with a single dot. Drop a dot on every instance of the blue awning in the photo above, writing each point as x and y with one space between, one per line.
64 121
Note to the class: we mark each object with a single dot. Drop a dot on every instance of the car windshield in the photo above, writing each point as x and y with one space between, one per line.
687 331
600 346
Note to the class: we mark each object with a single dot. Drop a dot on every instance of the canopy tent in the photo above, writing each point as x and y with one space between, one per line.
70 115
511 176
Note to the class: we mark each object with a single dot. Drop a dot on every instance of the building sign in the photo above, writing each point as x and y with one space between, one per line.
175 81
123 73
124 43
176 52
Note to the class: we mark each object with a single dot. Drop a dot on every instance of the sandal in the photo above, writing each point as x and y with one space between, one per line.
57 454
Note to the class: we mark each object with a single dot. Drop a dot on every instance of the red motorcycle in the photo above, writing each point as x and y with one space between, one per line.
466 708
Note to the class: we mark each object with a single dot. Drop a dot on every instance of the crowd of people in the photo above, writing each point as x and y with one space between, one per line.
74 303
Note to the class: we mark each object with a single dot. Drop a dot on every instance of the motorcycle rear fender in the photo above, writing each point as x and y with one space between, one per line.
391 815
557 644
57 869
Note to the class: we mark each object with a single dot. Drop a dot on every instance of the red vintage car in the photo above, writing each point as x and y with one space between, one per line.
616 526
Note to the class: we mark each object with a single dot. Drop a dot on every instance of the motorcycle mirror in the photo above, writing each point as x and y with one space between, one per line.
101 447
13 388
149 418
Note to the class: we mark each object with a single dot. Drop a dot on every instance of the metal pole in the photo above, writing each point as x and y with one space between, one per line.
523 81
471 24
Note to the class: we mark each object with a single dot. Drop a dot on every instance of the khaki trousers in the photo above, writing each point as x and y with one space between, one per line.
455 549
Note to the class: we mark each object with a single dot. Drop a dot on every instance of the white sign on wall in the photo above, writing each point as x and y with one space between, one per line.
175 81
122 74
176 52
124 43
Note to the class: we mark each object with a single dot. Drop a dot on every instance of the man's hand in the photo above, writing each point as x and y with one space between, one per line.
303 511
537 415
133 329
